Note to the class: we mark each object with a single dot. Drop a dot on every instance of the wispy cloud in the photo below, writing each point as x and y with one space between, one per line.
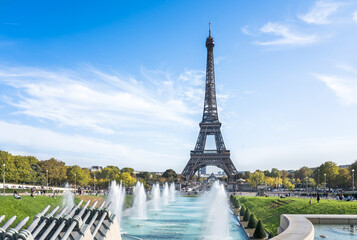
107 101
245 30
354 16
344 88
286 36
320 12
78 149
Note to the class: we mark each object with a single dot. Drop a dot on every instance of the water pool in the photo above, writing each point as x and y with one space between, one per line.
335 231
183 218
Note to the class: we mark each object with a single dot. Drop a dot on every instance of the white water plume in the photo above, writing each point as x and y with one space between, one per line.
217 220
68 198
117 197
155 196
172 191
139 204
165 194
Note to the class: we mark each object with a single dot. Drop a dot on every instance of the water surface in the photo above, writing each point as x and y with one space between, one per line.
183 218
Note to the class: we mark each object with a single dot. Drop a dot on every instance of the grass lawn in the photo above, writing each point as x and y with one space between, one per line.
28 206
269 209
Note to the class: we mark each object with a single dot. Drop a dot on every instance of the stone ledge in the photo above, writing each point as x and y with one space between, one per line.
300 226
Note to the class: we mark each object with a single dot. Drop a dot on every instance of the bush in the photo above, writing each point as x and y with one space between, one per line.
252 222
242 211
236 203
246 215
259 232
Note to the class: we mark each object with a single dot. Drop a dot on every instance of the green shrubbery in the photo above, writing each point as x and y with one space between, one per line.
259 232
242 211
252 223
246 215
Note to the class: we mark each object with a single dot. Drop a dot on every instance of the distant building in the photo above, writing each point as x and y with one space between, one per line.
157 173
204 170
96 168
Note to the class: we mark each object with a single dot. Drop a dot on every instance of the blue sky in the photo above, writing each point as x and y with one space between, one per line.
121 82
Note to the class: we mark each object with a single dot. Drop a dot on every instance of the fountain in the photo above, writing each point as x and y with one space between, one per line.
155 196
139 204
172 191
117 197
217 220
68 198
165 194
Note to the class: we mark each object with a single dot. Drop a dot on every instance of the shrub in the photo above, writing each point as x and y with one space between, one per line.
259 232
246 215
236 203
252 222
242 211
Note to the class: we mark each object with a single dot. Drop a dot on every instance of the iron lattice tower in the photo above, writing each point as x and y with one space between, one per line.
210 125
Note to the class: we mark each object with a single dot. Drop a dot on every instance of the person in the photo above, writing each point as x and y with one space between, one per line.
318 198
17 196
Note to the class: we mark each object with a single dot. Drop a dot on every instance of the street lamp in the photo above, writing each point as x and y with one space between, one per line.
353 180
3 178
307 190
47 178
75 181
94 183
318 178
325 181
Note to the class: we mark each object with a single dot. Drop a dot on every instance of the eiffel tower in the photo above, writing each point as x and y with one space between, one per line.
210 125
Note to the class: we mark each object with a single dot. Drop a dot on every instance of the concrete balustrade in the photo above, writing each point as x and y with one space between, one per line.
300 226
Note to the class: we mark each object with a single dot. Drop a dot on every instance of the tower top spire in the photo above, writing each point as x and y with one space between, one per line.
209 26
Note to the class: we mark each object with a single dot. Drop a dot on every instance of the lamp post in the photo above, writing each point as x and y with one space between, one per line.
353 180
318 178
307 189
94 183
47 178
325 181
75 182
3 177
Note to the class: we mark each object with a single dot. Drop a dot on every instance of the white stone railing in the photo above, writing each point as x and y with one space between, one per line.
300 226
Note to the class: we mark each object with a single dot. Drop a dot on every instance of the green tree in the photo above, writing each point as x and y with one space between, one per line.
343 179
256 178
242 211
287 184
77 175
246 215
252 223
259 232
170 173
276 173
109 173
303 172
127 170
57 171
126 179
331 170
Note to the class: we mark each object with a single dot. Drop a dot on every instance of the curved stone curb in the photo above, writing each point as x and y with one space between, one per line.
300 226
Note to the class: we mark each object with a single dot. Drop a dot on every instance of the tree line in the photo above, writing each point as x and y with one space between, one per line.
335 176
30 170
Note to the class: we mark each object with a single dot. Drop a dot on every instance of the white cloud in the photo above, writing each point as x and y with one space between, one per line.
104 102
320 12
344 88
355 16
245 30
287 36
76 149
